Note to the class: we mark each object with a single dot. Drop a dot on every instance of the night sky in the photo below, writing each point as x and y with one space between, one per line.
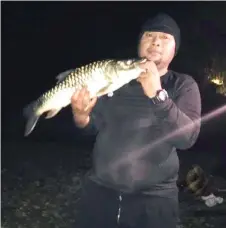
42 39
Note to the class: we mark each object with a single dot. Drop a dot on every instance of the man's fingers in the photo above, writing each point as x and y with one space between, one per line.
93 102
83 92
149 66
143 75
86 98
77 100
74 96
81 100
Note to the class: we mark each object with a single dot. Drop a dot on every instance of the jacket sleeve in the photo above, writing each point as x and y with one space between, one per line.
181 119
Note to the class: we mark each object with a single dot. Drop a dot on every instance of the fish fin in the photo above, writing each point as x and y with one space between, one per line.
104 90
32 118
110 94
60 77
51 113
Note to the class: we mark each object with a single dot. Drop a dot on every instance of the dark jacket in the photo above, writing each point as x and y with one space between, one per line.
135 148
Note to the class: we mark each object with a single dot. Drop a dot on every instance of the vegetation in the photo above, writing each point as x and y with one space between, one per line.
42 189
219 80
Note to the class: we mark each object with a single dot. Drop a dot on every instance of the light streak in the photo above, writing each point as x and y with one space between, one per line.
132 157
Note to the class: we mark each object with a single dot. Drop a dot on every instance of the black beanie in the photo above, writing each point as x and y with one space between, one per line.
163 23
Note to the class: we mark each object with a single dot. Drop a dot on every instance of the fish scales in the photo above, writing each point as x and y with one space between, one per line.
76 79
100 78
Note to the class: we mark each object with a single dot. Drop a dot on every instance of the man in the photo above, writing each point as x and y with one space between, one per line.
135 163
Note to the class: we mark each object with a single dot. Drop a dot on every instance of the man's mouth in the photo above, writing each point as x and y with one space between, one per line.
154 52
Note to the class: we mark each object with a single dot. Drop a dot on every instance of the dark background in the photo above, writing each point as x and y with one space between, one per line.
42 39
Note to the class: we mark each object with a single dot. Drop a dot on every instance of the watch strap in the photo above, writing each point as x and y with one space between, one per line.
158 99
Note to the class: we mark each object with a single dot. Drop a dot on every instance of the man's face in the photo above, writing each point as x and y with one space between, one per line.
158 47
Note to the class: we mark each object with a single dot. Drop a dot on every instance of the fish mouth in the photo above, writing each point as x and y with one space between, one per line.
143 60
140 60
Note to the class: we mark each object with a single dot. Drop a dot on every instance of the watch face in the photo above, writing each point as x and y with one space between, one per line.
162 95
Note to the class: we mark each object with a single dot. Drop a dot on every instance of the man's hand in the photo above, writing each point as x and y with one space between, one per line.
82 106
150 80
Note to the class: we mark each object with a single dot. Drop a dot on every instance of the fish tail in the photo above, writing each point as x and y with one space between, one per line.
31 116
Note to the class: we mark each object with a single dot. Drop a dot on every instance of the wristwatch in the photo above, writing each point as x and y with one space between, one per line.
160 97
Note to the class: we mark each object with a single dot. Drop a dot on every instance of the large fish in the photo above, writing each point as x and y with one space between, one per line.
100 78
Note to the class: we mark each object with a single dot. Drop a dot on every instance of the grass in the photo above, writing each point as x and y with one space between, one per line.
49 202
41 186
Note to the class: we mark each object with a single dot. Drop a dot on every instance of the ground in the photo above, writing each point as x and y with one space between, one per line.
41 183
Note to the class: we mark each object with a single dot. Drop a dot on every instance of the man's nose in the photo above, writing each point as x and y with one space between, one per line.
156 41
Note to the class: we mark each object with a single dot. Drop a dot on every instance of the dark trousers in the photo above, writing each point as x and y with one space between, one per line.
100 207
